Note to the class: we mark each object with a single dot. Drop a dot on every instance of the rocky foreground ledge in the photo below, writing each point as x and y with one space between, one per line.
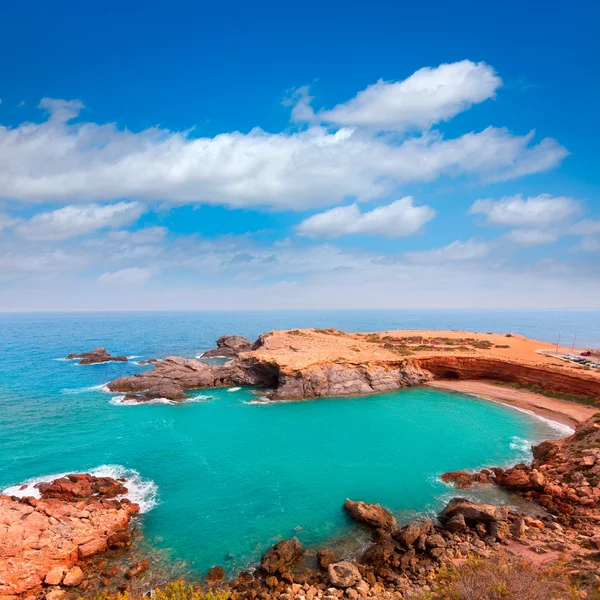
312 363
46 541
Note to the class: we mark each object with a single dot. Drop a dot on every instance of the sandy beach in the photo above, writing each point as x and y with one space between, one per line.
562 411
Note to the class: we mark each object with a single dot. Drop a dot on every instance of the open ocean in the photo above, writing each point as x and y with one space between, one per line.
224 476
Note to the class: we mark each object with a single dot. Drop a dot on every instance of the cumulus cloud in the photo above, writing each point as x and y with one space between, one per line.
400 218
6 221
536 211
131 276
58 160
72 221
531 237
590 243
428 96
457 251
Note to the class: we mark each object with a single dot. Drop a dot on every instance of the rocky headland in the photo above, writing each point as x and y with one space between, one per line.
96 356
303 364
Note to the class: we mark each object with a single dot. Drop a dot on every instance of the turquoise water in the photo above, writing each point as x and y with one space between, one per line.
226 474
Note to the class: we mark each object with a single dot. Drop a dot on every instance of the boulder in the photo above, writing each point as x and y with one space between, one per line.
343 574
215 576
409 534
372 515
325 558
514 479
229 346
54 576
73 577
473 513
456 523
165 389
93 547
281 555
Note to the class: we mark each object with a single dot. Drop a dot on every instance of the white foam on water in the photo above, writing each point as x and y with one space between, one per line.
83 390
520 444
141 491
133 356
561 428
120 401
260 400
200 398
234 389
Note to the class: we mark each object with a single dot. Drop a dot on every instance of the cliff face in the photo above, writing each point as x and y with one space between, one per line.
463 367
334 379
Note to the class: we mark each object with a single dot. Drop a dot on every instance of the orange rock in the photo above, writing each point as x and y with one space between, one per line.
93 547
74 577
54 576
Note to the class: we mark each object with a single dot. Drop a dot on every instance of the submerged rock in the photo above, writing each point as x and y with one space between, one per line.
98 355
372 515
215 575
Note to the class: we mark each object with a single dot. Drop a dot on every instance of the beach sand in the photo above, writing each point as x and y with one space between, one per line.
562 411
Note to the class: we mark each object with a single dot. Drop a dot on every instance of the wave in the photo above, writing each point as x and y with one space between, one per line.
260 400
120 401
141 491
234 389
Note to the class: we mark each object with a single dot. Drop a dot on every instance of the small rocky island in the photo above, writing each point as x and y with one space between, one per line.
98 355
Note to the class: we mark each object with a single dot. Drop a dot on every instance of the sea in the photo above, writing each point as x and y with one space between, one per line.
223 476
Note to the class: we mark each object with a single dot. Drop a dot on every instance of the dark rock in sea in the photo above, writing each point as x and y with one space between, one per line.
214 576
98 355
343 574
229 346
281 555
372 515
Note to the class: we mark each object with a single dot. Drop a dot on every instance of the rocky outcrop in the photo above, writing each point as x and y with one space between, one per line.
98 355
343 574
172 376
371 515
281 555
42 540
465 367
229 346
345 379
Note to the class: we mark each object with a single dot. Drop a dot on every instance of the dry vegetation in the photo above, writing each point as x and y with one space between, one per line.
176 590
504 578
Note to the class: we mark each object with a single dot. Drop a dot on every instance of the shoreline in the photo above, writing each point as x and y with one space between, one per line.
561 411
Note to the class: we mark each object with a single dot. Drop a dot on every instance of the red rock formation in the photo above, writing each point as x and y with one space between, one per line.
464 367
41 540
98 355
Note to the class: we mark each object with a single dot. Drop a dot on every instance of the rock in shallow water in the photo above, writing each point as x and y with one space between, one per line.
372 515
281 555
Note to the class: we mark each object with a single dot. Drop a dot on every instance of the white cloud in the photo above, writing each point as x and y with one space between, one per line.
400 218
72 221
457 251
586 227
57 160
428 96
514 211
130 276
531 237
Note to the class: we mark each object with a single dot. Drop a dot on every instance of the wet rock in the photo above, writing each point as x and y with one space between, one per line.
281 555
229 346
409 534
98 355
215 576
73 577
343 574
120 539
372 515
325 558
514 479
137 569
165 389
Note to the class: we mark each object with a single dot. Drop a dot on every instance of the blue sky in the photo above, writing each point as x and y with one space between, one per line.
182 155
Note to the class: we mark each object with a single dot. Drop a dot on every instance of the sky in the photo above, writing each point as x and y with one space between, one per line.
335 154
